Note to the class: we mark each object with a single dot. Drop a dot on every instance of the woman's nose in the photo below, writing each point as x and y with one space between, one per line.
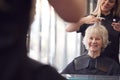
93 41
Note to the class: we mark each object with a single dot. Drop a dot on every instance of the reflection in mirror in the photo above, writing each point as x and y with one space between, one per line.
104 14
49 43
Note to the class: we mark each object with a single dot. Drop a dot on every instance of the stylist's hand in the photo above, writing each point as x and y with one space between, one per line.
91 19
116 26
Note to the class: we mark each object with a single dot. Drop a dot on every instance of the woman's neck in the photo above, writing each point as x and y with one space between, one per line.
106 13
93 54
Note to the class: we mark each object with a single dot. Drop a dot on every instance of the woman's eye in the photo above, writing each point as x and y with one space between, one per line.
111 1
90 38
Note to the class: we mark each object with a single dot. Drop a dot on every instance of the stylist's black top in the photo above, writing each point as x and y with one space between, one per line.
86 65
14 62
112 49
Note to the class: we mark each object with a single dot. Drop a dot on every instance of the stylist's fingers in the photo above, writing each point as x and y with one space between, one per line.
90 19
116 26
94 20
100 18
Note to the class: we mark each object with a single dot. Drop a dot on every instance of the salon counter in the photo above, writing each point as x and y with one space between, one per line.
90 77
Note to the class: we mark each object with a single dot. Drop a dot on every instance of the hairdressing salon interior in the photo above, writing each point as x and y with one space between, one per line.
49 43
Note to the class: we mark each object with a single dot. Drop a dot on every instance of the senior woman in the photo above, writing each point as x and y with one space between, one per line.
108 13
92 62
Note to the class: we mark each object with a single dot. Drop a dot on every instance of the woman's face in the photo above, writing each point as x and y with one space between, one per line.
95 42
107 5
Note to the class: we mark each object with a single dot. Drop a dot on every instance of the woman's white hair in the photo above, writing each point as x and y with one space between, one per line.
98 29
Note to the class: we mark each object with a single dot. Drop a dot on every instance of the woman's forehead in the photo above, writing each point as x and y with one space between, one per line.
94 34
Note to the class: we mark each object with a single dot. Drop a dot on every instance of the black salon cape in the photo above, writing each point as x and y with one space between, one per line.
14 62
86 65
112 50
